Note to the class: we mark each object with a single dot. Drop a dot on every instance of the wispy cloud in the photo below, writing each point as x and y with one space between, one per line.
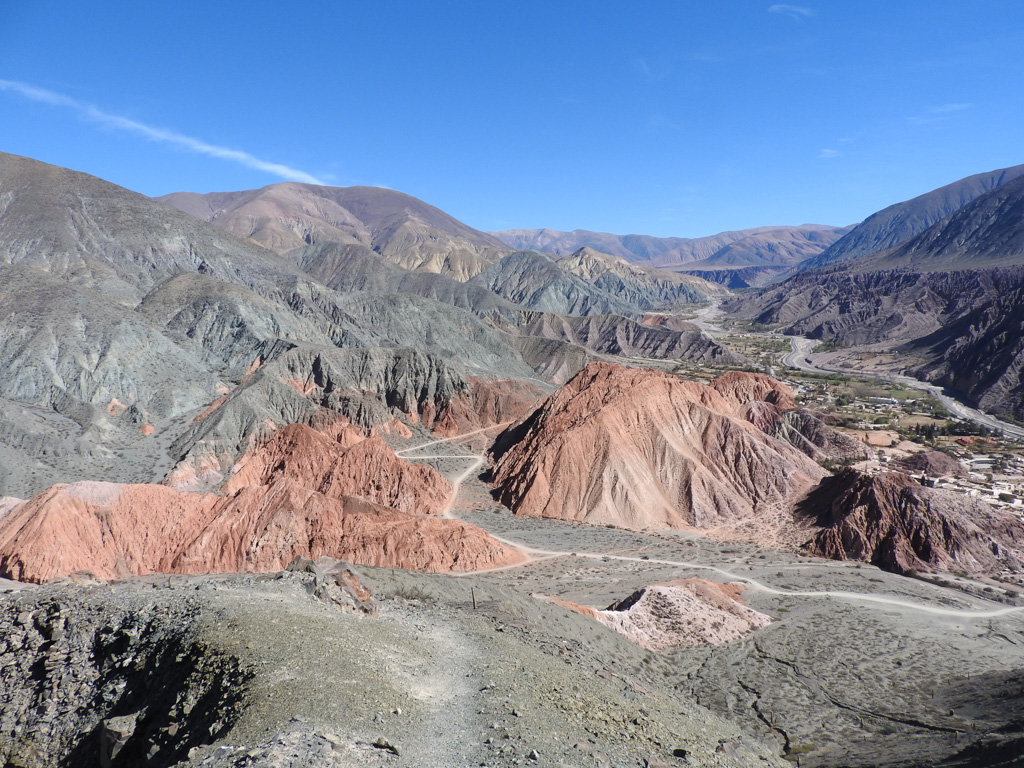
117 122
945 109
796 12
938 113
827 154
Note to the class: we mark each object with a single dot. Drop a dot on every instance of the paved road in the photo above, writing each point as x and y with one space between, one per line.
800 358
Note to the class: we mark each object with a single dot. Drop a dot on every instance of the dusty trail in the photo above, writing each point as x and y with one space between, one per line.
535 555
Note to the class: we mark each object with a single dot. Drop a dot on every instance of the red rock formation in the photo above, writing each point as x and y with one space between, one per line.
743 387
892 522
119 530
366 468
281 521
303 493
107 529
638 448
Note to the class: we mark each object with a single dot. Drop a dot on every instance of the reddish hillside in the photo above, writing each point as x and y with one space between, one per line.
892 522
638 448
301 493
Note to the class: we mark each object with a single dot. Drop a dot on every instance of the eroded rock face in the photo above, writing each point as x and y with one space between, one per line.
489 403
350 465
376 389
890 521
637 448
302 494
744 388
79 682
804 431
683 612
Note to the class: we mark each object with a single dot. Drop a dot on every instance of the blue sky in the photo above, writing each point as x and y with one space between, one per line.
663 118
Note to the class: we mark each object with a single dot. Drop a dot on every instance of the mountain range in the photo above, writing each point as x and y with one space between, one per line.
278 386
737 259
937 278
123 314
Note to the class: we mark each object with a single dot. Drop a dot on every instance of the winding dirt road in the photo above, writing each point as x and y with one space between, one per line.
535 555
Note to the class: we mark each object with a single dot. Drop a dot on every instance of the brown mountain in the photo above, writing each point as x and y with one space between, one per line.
404 230
638 448
892 522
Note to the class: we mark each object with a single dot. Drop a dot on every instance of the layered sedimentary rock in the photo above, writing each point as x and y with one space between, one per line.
615 335
745 388
300 494
348 465
638 448
805 431
488 403
643 286
376 389
891 521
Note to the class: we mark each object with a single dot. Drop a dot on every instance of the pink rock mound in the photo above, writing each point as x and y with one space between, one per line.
931 463
301 494
262 528
637 448
366 467
743 388
686 612
892 522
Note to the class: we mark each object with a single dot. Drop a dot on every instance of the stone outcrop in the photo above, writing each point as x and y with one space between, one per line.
488 403
300 494
745 388
683 612
348 465
931 463
891 521
638 448
805 431
615 335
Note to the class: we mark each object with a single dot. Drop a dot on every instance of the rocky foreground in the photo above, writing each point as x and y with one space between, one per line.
261 672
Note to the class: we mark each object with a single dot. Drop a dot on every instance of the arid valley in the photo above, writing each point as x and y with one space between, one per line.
313 475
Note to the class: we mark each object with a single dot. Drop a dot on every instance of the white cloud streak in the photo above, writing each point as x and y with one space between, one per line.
827 154
796 12
96 115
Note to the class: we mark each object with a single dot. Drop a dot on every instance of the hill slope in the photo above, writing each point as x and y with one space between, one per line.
900 222
406 231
